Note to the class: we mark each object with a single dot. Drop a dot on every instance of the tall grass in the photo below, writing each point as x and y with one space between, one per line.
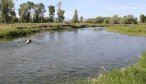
131 29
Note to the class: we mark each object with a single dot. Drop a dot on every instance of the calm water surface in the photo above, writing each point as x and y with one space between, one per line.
57 56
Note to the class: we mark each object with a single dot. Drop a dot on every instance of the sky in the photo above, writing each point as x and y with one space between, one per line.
94 8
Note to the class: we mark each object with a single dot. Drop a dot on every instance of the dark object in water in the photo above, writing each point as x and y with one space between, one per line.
28 41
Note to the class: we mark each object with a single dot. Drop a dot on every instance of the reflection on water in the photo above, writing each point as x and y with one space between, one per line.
59 56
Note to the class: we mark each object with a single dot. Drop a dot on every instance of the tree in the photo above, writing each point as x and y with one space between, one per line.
89 20
106 20
30 6
6 7
81 19
23 12
60 13
26 11
12 17
36 14
98 20
51 13
75 17
142 18
115 20
39 10
129 19
1 12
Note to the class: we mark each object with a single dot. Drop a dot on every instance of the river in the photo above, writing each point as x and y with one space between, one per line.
75 54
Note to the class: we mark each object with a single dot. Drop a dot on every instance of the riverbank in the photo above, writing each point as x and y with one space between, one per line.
131 29
135 74
24 29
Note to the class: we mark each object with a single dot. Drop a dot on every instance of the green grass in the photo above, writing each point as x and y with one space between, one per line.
137 29
24 29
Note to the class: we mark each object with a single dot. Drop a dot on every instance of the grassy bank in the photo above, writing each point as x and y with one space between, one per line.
131 29
24 29
135 74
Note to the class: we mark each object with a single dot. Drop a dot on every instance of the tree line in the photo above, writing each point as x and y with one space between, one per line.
129 19
34 13
29 12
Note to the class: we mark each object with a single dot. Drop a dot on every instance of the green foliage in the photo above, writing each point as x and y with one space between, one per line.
98 20
115 19
75 17
39 12
89 20
7 6
60 12
142 18
46 19
61 16
14 19
81 19
25 11
106 20
30 6
129 19
51 13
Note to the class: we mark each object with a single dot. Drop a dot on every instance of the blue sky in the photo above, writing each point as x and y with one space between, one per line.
94 8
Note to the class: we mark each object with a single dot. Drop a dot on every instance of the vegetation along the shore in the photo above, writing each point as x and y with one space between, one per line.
30 20
135 74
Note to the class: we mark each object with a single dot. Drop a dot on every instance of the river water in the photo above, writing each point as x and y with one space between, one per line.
57 56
